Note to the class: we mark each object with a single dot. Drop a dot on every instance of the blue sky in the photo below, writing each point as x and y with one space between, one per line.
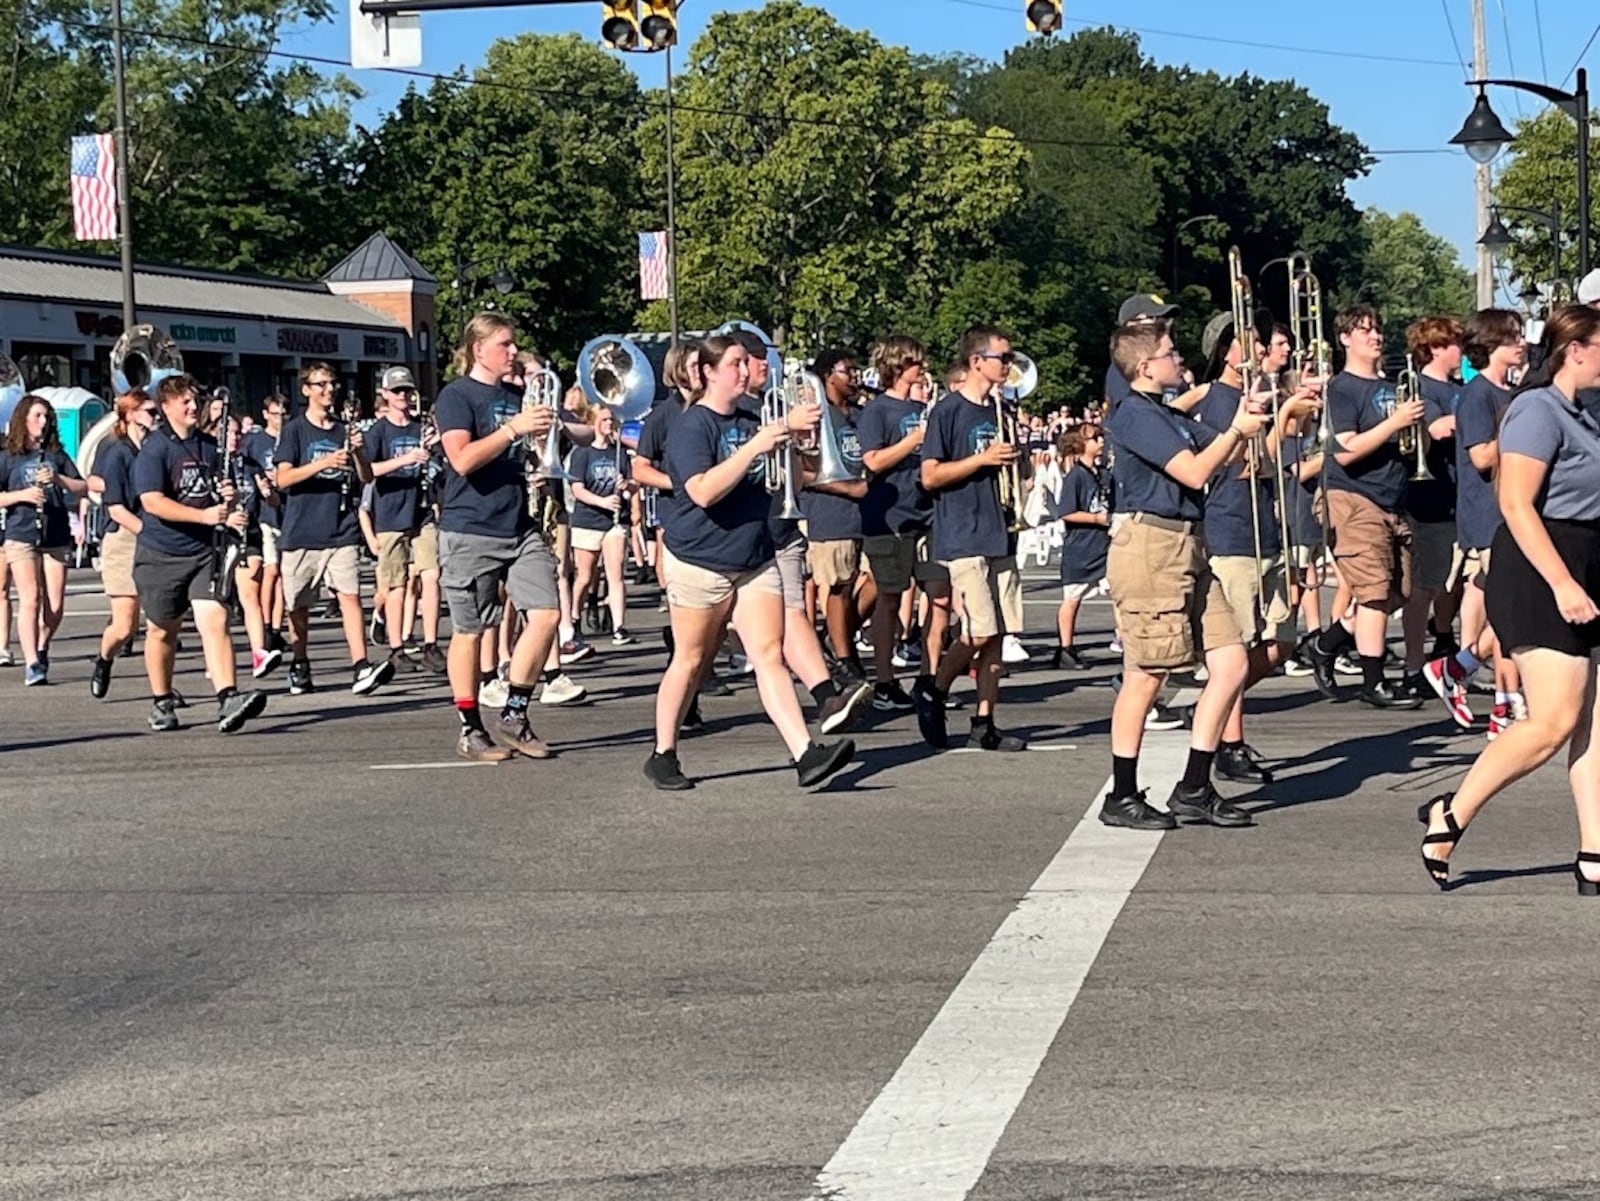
1393 107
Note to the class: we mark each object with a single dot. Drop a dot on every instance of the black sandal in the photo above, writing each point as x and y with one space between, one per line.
1586 886
1439 869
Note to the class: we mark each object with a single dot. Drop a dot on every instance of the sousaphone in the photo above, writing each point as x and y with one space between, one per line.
143 357
12 388
613 371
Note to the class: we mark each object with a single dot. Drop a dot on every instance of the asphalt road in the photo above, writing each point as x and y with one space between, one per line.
303 963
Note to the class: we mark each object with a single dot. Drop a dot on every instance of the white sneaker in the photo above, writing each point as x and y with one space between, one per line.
494 694
562 690
1116 646
1012 650
738 665
7 659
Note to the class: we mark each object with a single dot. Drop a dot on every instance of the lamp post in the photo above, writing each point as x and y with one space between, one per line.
1483 136
1178 229
1496 237
466 273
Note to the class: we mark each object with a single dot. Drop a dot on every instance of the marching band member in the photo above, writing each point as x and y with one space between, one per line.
602 519
962 461
39 477
320 467
1170 608
1083 506
833 521
252 496
1366 487
112 478
256 450
1541 598
721 563
403 526
897 511
182 501
1495 345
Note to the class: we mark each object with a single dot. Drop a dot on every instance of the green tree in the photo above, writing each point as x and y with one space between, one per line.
533 164
1540 172
825 191
1407 272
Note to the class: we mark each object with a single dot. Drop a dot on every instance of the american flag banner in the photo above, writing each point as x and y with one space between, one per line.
654 278
94 187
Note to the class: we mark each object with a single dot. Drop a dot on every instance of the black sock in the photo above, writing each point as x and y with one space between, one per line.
484 677
1198 772
1124 776
517 699
224 693
1371 670
824 692
550 674
471 719
1232 747
1336 639
360 665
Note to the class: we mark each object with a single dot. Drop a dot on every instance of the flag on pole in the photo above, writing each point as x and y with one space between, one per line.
654 278
94 187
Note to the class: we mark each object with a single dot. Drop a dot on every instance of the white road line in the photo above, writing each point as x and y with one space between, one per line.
929 1134
1032 746
428 766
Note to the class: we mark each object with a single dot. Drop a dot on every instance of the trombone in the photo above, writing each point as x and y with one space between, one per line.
1413 438
1312 350
1022 378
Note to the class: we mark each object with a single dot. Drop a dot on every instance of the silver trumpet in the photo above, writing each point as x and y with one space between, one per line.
543 390
779 398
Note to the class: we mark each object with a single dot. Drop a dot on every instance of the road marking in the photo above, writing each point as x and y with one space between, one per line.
929 1134
1032 746
428 766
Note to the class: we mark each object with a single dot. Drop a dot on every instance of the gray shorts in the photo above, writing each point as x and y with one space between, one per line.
792 570
472 568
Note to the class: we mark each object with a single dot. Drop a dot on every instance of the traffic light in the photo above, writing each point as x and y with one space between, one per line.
660 24
619 24
1044 16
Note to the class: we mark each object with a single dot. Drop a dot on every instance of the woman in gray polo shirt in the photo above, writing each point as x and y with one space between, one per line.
1543 578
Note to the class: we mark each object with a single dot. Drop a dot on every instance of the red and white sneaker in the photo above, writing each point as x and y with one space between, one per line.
262 662
1447 679
1500 721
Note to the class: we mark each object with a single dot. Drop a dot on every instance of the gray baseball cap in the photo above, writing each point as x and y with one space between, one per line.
1219 326
398 379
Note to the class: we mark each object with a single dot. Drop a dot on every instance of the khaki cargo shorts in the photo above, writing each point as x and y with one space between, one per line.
1372 549
990 592
1170 608
1241 584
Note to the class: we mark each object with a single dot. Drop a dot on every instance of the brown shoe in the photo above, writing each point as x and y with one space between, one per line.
515 732
475 745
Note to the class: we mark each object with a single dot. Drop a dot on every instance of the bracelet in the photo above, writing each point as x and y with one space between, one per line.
511 434
1237 432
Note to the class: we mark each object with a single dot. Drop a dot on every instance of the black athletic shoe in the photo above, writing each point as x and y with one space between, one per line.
1239 763
1206 805
843 709
238 709
986 738
931 719
1135 813
822 759
1322 668
663 771
163 716
891 698
1385 695
300 678
100 678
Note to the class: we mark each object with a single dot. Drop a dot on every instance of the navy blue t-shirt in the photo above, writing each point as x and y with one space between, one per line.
114 465
1230 522
1305 523
1357 404
1117 386
1083 547
1478 415
829 517
896 502
597 471
21 471
1435 500
184 470
396 495
492 501
730 535
314 516
967 518
257 449
1145 435
653 447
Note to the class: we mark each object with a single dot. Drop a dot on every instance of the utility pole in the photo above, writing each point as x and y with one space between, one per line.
1485 191
124 199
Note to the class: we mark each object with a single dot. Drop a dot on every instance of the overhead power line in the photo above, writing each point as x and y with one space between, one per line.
1577 62
1450 24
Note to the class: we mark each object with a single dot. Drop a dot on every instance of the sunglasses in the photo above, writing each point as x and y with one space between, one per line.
1006 357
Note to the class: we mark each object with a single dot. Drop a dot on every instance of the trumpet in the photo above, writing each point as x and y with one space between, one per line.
1412 441
543 390
781 395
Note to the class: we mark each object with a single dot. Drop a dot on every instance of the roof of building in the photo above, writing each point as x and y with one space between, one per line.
378 259
63 275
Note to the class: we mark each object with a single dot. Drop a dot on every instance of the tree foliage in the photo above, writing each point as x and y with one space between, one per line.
1408 272
1541 174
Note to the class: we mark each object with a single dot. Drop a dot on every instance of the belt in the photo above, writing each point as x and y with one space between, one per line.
1171 524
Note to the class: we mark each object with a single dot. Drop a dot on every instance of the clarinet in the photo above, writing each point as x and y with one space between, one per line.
221 535
347 479
616 518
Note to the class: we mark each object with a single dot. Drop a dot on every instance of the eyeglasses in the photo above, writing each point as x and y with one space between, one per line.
319 383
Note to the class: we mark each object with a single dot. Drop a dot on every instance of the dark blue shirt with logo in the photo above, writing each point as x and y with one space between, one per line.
1145 435
967 518
1481 409
731 534
1230 520
396 495
491 502
184 470
1083 547
1434 500
830 517
19 471
1357 404
597 471
257 449
315 516
896 502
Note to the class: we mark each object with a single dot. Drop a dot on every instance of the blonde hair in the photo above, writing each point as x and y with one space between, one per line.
892 356
479 329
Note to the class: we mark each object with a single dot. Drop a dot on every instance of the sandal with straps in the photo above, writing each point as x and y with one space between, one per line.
1586 886
1439 869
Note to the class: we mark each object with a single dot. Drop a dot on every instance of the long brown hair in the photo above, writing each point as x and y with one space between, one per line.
128 404
17 431
1574 323
711 352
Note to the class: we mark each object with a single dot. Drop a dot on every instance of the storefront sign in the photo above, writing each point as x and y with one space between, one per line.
217 335
98 325
308 341
380 346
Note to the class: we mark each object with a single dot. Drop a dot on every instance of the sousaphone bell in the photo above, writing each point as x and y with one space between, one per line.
613 371
143 357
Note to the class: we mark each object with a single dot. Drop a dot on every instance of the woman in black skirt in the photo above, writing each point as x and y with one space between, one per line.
1544 575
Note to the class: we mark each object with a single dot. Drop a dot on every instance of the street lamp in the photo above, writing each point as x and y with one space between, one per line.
1483 136
501 280
1496 237
1178 229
